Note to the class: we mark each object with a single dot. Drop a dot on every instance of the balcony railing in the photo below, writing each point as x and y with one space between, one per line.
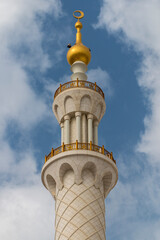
79 146
81 84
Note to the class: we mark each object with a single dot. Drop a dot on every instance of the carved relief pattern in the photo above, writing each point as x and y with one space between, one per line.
80 209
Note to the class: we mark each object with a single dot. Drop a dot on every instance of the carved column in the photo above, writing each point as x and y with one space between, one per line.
78 126
67 129
96 132
84 129
62 133
90 127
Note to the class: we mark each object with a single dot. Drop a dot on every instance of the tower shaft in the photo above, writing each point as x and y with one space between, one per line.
80 209
79 180
79 174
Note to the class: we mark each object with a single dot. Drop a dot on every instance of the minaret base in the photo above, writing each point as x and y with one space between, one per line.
80 209
79 180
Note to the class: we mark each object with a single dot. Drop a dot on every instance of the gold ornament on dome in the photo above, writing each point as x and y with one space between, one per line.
78 17
78 52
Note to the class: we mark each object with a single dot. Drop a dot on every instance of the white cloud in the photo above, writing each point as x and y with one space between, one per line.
26 207
19 102
26 213
132 208
137 22
20 29
26 210
149 82
134 204
102 78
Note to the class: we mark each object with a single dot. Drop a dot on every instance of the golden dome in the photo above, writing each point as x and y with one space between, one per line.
78 52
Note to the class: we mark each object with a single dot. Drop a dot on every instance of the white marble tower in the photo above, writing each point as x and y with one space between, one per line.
79 174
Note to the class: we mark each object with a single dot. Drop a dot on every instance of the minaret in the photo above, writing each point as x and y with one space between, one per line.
79 174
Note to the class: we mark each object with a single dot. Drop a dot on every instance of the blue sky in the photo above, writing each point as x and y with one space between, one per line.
124 39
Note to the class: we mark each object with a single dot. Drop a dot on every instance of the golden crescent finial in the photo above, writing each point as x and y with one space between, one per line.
81 14
78 52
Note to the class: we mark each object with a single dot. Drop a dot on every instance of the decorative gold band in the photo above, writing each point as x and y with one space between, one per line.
79 146
80 84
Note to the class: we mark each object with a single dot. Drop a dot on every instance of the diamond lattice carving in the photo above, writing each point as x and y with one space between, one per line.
80 209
